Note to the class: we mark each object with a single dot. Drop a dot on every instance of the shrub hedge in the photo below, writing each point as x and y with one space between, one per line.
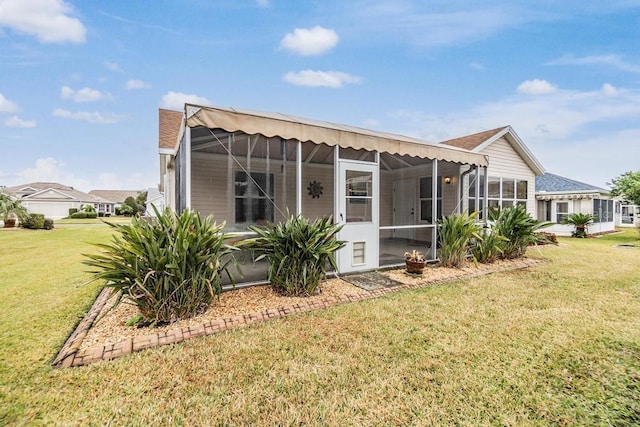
36 221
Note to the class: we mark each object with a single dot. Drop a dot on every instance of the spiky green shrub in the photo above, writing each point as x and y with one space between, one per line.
171 266
580 222
455 233
488 247
518 227
299 251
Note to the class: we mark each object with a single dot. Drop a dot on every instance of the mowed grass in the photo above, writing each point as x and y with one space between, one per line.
556 344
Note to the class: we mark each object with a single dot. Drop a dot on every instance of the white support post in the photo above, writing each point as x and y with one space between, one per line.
434 207
187 172
336 185
299 178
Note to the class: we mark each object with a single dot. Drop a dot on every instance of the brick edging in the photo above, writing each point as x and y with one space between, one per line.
70 355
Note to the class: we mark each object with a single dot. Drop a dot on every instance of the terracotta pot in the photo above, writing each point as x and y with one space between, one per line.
9 223
415 267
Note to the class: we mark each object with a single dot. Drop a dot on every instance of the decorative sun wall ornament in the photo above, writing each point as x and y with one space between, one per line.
315 189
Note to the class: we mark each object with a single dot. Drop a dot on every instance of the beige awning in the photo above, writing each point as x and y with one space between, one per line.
307 130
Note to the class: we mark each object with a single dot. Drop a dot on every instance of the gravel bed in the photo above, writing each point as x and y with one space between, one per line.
111 328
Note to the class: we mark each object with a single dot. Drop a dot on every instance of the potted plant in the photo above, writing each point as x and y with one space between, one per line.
10 209
415 262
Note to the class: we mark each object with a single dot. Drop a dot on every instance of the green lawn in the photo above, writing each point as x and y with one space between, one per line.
557 344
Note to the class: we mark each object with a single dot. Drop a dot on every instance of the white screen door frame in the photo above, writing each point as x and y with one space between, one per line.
358 210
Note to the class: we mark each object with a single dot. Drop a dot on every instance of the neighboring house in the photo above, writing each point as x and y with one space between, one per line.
627 215
558 197
154 198
115 197
53 200
511 173
387 190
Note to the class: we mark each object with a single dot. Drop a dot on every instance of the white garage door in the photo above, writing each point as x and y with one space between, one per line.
53 210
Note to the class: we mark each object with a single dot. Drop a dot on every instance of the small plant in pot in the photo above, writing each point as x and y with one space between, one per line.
414 261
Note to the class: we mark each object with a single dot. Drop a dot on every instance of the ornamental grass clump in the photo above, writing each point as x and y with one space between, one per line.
170 267
299 252
455 233
518 227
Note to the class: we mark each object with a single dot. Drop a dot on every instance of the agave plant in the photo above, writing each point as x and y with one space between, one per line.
518 227
455 233
170 267
299 251
580 221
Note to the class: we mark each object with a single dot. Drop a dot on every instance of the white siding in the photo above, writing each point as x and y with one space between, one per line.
505 162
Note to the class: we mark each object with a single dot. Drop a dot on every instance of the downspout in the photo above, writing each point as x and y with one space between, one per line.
485 208
460 183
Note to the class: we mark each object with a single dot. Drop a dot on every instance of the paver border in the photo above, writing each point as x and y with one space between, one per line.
71 355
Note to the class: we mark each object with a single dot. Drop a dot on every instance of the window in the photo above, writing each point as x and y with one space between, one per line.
602 210
359 193
426 199
254 195
506 192
562 211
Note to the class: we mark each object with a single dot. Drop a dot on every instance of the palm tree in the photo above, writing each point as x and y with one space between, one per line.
10 209
580 221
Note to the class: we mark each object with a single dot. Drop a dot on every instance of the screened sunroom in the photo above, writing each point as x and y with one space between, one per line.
249 168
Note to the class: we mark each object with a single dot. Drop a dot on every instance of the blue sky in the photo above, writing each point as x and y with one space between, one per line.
81 81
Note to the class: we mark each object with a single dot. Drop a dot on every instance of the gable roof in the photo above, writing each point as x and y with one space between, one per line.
270 124
552 183
115 196
170 123
470 142
26 191
479 141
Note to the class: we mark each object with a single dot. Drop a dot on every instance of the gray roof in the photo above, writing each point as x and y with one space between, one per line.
38 189
115 196
552 183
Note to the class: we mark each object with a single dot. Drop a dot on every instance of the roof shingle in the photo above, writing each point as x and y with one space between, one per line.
551 183
470 142
169 128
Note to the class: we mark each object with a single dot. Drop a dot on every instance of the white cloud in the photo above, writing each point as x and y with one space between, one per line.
113 66
90 117
263 3
536 87
312 41
615 61
17 122
7 106
427 25
609 90
49 170
334 79
48 20
176 100
83 95
568 131
477 66
135 84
